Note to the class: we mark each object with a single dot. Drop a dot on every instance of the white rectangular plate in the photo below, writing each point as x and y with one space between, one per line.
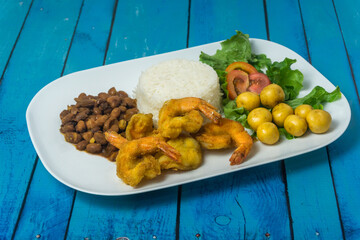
96 175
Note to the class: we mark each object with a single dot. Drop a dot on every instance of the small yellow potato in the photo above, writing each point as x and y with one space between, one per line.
271 95
258 116
280 113
268 133
295 125
303 110
319 121
248 100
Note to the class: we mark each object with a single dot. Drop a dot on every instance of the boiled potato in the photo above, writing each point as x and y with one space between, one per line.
303 110
319 121
280 113
258 116
248 100
268 133
271 95
295 125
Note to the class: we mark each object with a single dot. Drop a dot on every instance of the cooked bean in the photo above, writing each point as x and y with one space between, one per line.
81 116
129 113
73 137
97 110
115 127
112 91
82 95
115 113
69 127
64 113
69 117
85 102
74 110
80 126
100 138
103 95
93 148
108 123
96 129
87 136
81 145
122 94
114 101
101 120
91 123
122 108
104 105
129 102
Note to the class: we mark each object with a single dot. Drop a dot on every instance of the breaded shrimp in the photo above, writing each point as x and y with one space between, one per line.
224 135
140 125
183 114
136 160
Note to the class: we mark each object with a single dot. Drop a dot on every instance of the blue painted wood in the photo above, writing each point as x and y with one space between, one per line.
311 194
48 202
144 216
250 204
144 28
333 62
348 13
28 71
13 12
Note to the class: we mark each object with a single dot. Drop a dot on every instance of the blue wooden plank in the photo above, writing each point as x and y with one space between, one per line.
144 28
144 216
12 12
311 194
348 13
349 19
250 204
27 72
344 153
49 203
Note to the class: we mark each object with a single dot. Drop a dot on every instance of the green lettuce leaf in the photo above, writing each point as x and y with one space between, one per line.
235 49
231 111
290 80
316 98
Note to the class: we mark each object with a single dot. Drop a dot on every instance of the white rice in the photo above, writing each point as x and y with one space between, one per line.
176 79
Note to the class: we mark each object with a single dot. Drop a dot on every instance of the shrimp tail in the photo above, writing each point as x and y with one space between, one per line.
210 112
239 155
169 151
115 139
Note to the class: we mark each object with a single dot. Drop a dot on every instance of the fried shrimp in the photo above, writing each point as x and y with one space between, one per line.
224 135
140 125
191 154
183 114
135 160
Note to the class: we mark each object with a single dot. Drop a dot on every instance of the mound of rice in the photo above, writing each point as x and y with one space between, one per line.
176 79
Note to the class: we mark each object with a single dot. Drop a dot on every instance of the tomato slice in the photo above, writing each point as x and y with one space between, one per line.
257 82
246 67
237 82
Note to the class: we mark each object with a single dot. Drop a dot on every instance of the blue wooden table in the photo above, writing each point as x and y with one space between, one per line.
312 196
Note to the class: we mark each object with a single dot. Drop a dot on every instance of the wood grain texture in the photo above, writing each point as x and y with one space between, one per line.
142 216
328 54
311 194
48 202
348 13
13 12
345 152
246 204
27 72
144 28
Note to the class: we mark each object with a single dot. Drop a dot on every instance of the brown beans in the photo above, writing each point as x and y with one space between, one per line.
93 148
84 123
73 137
